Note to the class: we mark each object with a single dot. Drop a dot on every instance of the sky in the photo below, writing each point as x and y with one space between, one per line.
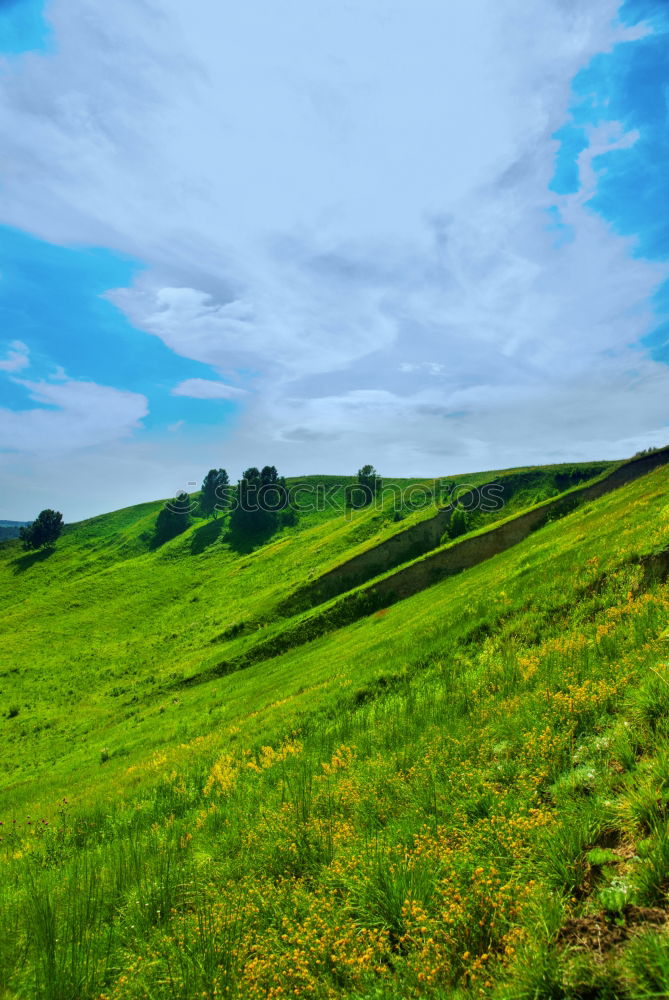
426 234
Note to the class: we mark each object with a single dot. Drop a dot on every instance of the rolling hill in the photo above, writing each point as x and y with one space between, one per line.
365 758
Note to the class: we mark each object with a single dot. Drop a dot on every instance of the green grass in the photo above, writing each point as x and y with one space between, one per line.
95 635
442 799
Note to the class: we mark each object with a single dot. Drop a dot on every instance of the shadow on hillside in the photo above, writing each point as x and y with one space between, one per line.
160 538
242 541
206 535
22 563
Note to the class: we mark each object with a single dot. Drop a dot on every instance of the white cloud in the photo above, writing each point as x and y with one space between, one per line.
202 388
429 367
71 415
347 208
18 357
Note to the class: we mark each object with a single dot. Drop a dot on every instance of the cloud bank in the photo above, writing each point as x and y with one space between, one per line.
352 213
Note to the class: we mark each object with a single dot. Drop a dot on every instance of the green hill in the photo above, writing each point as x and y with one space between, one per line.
362 759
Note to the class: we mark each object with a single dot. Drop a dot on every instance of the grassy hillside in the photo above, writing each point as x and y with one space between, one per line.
97 634
464 794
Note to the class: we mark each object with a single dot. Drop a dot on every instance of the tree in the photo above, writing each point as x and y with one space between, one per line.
173 518
363 491
261 497
44 531
272 493
459 523
247 499
222 490
368 476
214 493
208 493
269 476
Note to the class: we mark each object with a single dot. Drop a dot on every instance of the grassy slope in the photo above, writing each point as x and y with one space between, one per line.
105 621
93 634
533 489
432 783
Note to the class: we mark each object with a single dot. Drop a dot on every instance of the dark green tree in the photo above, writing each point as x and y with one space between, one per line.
361 493
214 493
272 493
261 500
173 519
44 531
368 476
247 497
223 491
208 493
268 475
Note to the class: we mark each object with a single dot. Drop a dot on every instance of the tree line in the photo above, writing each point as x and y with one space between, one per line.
258 505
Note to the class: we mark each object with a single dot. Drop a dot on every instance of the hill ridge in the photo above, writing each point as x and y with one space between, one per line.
404 581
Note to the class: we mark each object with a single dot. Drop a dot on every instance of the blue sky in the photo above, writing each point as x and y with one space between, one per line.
23 27
432 238
53 300
631 87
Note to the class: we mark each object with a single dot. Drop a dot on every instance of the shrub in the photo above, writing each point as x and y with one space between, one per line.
44 531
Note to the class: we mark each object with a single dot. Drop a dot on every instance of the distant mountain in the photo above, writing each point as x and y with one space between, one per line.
10 529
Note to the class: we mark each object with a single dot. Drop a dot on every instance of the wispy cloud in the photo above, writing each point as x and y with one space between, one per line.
353 216
70 415
202 388
18 357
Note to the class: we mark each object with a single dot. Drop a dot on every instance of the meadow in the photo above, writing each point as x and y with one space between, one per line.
463 794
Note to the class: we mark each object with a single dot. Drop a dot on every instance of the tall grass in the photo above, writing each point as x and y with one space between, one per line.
417 806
